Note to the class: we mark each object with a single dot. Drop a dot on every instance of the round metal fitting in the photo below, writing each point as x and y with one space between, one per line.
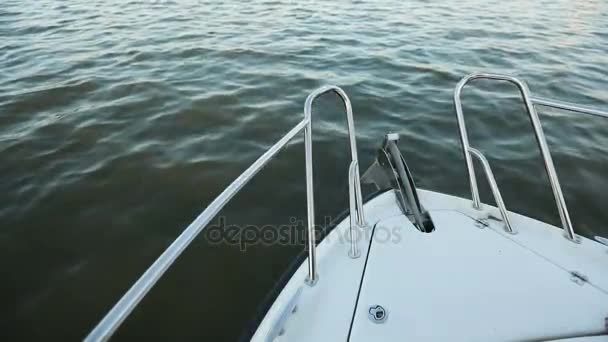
377 314
354 255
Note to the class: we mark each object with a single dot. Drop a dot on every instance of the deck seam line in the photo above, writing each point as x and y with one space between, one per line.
352 321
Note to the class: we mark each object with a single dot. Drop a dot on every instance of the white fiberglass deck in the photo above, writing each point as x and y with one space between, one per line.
458 283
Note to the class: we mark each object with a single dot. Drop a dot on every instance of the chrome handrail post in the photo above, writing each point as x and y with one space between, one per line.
548 160
540 139
312 272
352 200
495 191
359 204
353 151
464 140
310 197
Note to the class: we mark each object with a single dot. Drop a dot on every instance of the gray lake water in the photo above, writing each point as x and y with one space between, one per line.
121 120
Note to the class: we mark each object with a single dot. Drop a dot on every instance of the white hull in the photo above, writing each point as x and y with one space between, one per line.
458 283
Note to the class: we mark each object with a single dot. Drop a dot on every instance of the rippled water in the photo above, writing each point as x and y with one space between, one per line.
121 120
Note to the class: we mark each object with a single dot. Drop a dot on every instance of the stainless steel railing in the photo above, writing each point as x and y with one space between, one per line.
312 272
495 191
540 139
571 107
121 310
353 176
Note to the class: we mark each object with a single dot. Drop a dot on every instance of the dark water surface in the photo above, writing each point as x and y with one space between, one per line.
121 120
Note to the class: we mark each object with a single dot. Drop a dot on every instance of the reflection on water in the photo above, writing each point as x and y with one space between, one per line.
121 120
